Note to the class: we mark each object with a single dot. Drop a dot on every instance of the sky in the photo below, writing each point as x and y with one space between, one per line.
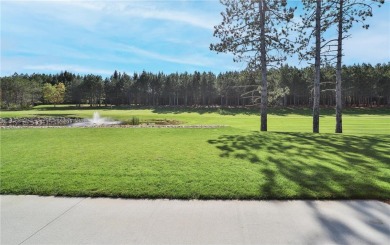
131 36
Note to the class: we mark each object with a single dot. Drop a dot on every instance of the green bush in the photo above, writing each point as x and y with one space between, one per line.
134 121
222 112
15 107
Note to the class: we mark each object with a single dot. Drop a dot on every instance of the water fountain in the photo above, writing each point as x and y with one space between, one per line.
95 121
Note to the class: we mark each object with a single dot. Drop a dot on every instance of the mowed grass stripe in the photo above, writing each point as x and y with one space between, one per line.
373 121
223 163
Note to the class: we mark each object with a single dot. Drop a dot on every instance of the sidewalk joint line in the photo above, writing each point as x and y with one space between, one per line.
53 220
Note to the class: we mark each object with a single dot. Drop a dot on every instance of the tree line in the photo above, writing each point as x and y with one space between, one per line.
364 85
257 32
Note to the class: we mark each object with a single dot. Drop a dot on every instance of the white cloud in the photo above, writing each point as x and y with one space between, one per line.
88 14
175 16
159 10
191 59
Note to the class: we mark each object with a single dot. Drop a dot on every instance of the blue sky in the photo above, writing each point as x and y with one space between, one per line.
130 36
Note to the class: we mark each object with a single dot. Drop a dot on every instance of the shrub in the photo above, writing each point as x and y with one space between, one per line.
134 121
222 112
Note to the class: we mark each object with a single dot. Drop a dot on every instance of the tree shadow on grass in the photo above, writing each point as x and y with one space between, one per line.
321 166
232 111
254 111
205 110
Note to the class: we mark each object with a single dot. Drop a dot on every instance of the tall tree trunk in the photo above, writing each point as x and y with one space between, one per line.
317 66
226 99
263 60
339 122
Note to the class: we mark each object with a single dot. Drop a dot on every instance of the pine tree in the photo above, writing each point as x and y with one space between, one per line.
255 32
347 12
315 22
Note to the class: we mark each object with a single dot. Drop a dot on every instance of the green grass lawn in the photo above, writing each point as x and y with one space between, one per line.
355 121
233 162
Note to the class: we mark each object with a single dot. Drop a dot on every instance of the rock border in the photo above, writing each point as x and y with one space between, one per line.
66 122
39 121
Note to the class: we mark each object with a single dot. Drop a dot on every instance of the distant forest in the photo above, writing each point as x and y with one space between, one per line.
363 85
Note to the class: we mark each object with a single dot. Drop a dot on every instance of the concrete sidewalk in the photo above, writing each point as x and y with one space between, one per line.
54 220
